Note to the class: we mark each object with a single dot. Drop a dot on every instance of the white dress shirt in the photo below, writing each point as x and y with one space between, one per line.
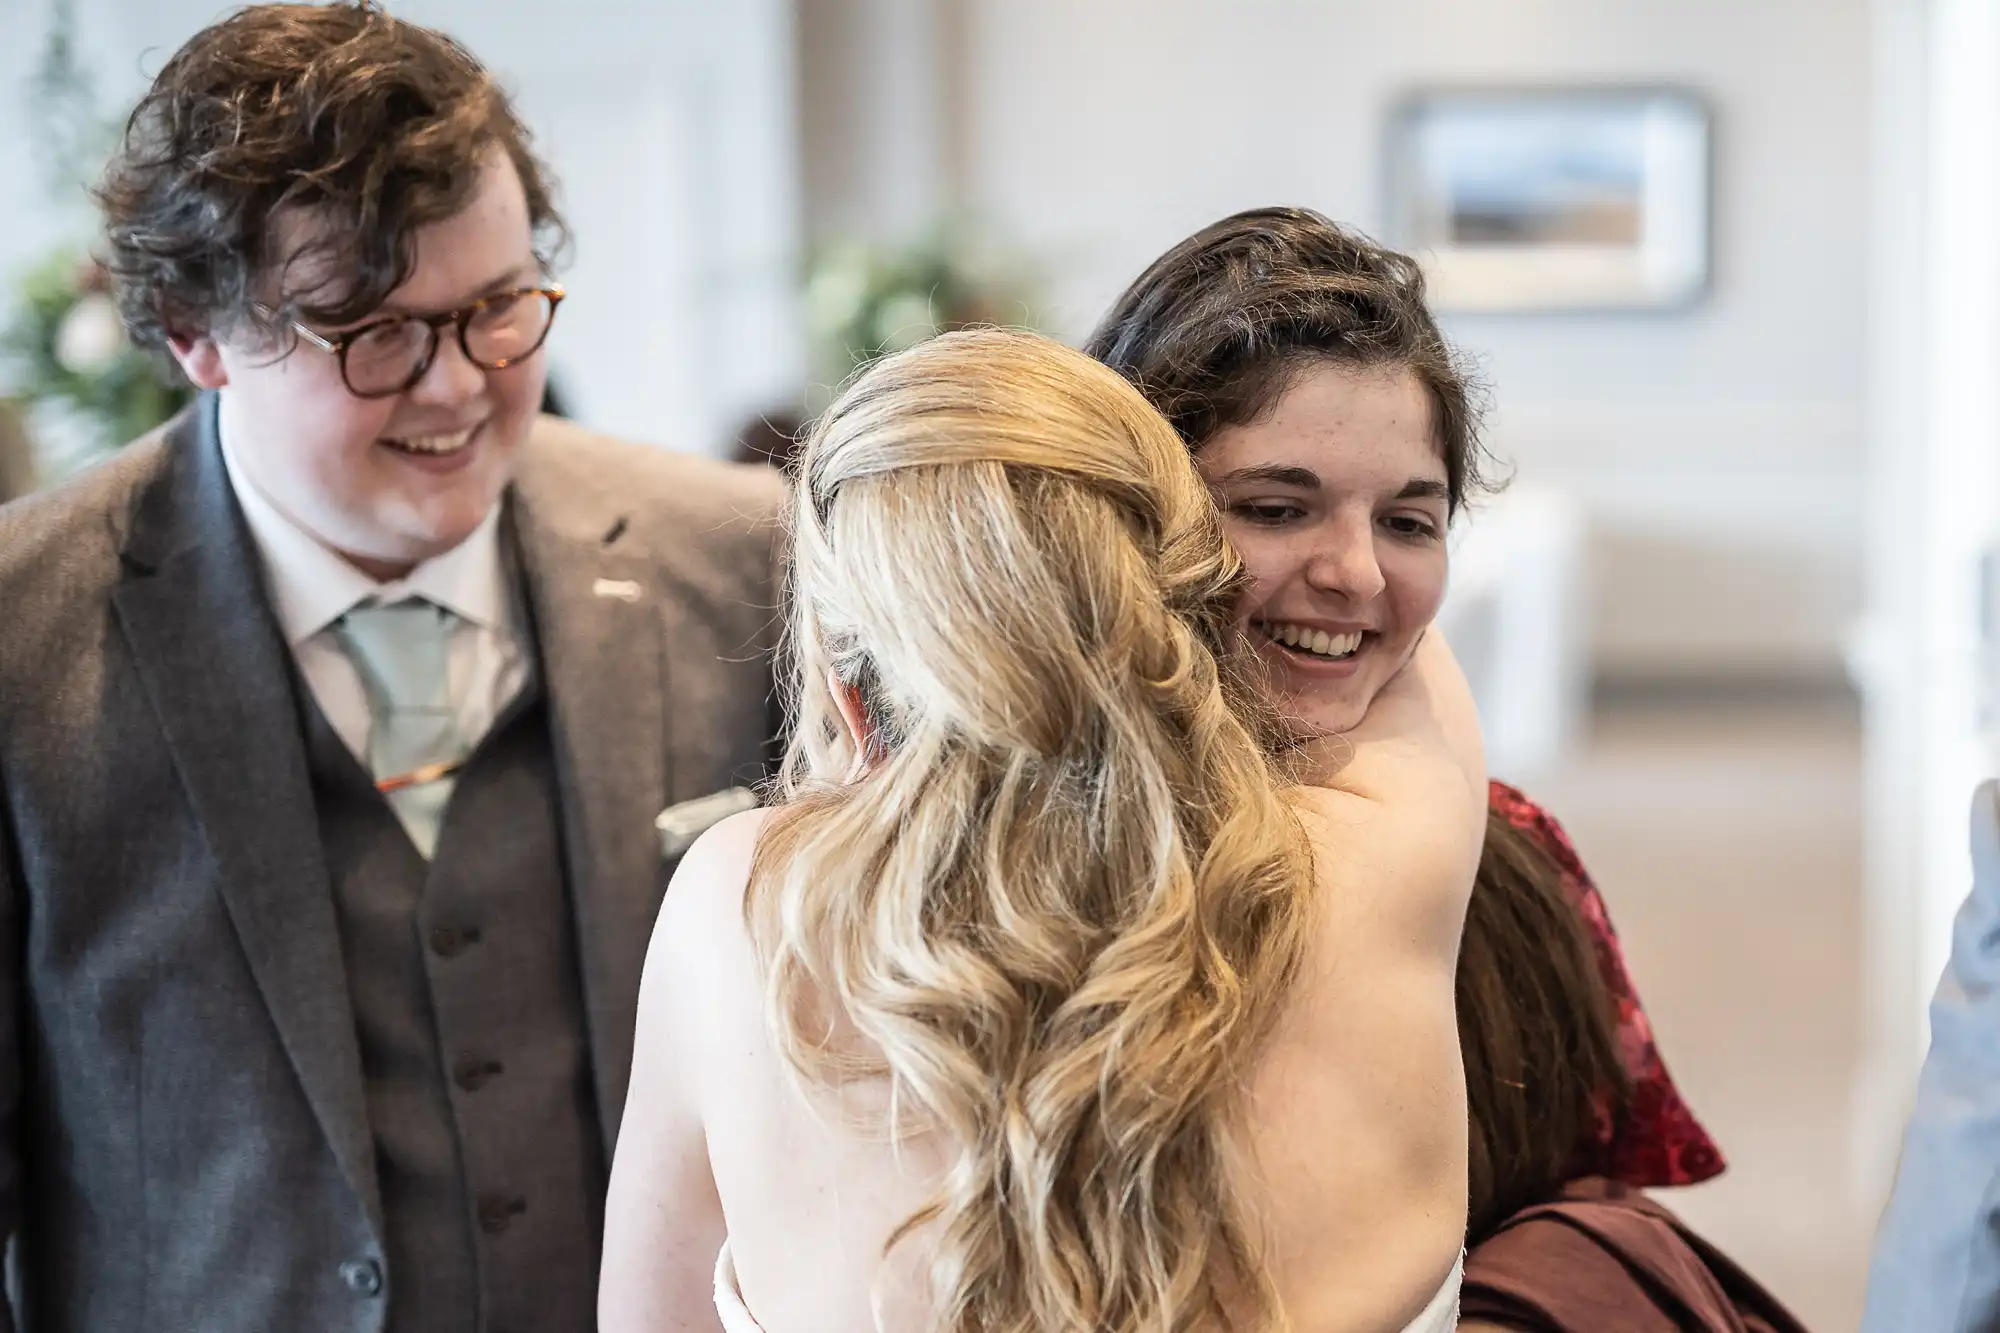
311 588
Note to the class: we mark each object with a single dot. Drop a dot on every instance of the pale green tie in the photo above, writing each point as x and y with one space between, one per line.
400 651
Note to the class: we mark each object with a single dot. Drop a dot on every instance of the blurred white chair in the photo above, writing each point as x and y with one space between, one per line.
1515 615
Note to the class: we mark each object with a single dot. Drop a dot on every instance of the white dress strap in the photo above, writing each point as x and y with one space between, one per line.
729 1297
1440 1316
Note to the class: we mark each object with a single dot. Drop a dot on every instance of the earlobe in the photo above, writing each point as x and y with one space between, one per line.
200 360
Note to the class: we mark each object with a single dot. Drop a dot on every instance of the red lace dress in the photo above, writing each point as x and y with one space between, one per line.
1659 1141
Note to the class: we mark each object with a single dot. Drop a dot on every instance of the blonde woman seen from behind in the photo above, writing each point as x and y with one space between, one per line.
1041 1002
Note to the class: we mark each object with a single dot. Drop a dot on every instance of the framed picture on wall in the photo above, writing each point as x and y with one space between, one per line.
1553 199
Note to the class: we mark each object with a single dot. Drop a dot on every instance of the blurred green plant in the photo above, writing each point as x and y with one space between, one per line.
67 360
865 299
68 350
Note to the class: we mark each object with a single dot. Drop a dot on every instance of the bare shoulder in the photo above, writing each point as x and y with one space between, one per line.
705 900
700 948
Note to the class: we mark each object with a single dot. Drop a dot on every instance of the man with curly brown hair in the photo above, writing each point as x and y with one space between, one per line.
334 718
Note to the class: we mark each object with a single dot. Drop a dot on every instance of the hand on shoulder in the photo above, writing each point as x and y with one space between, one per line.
1419 744
1400 825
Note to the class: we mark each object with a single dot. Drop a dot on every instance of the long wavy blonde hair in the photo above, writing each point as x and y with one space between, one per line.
1060 902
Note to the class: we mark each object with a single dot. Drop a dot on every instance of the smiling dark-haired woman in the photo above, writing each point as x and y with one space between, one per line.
1339 433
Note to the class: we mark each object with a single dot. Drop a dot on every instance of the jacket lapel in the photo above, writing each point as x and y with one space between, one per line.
597 606
215 667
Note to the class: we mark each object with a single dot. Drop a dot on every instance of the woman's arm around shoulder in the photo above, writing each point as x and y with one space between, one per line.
1405 810
663 1223
1420 736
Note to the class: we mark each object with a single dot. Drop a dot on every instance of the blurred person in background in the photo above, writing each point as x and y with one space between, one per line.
334 720
1301 366
1936 1267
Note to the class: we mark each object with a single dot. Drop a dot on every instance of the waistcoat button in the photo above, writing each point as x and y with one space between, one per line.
362 1276
473 1074
498 1211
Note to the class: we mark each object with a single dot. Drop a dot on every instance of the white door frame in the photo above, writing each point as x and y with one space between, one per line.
1935 508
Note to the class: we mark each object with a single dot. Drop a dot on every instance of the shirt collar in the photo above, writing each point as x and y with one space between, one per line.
311 587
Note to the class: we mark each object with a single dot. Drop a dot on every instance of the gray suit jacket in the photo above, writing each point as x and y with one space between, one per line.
183 1140
1937 1256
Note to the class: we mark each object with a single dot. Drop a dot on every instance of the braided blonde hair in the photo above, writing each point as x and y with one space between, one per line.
1059 907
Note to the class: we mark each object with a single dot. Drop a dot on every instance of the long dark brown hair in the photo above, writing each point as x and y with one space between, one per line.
1536 1025
1213 333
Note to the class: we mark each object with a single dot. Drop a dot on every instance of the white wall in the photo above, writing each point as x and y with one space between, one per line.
672 131
1719 451
34 223
877 106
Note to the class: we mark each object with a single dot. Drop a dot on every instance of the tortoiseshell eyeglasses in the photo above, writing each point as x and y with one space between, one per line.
384 357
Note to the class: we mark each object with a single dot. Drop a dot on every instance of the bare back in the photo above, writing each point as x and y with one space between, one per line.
1353 1124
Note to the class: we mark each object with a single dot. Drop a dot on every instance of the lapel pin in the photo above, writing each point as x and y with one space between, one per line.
625 590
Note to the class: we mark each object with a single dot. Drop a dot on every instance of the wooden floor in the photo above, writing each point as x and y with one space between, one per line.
1727 841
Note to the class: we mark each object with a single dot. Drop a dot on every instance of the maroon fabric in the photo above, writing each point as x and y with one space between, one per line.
1659 1142
1604 1258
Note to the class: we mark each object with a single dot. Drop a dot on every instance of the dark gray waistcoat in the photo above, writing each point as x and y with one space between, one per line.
468 1006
